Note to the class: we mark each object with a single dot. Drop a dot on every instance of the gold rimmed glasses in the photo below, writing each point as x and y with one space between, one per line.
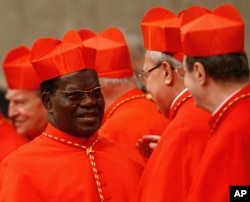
144 74
75 96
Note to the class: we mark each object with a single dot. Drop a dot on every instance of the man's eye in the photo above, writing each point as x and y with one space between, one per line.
96 92
75 95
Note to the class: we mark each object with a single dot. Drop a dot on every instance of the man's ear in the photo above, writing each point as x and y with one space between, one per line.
46 99
168 73
200 73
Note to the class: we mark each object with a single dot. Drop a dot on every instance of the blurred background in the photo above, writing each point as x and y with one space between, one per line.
23 21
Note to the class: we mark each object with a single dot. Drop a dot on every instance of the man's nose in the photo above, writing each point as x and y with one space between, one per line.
87 99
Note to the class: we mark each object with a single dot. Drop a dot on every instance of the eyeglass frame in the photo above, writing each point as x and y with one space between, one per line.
143 75
83 94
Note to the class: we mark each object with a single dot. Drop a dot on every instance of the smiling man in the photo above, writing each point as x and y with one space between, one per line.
25 109
69 161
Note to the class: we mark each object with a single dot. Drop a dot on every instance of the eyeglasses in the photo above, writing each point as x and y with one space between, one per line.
76 96
144 75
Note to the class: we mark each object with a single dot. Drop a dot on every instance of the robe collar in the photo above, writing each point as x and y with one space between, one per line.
215 120
60 136
182 97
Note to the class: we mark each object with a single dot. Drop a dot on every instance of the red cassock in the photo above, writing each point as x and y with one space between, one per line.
58 167
226 159
130 117
173 164
9 138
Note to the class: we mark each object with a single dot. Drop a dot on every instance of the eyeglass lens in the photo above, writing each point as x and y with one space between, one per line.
76 96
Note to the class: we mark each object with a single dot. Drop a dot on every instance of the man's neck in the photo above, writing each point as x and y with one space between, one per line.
219 94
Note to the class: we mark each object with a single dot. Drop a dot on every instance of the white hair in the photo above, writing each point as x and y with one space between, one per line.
159 57
115 81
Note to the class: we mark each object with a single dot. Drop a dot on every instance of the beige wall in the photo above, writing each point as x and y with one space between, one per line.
23 21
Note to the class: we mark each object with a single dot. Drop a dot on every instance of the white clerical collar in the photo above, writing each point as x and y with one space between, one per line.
177 97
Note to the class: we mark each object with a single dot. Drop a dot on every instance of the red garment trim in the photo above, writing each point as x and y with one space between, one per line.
225 108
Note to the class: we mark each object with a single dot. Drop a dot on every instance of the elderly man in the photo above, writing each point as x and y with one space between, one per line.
216 72
69 161
25 106
174 162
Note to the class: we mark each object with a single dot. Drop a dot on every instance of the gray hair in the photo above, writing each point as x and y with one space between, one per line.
115 81
159 57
